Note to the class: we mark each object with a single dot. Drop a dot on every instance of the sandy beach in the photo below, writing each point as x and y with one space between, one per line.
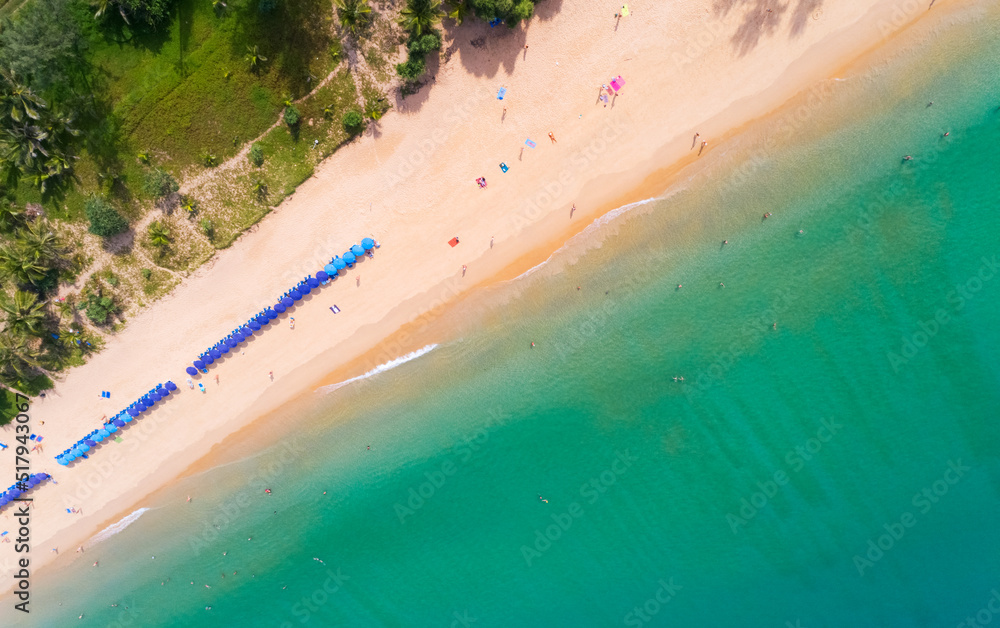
694 66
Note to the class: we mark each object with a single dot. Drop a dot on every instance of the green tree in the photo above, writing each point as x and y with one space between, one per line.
292 115
458 10
256 154
412 69
19 357
259 189
510 11
159 183
159 235
99 307
419 16
354 14
104 220
353 122
11 216
142 13
24 314
43 44
254 58
208 228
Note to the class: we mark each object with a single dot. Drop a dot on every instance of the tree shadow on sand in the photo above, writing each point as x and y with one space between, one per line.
765 18
483 50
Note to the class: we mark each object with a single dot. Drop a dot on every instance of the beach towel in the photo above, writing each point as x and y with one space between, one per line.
503 166
501 93
624 10
530 143
453 242
617 83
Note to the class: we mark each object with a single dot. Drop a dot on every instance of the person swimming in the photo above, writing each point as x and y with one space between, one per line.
540 498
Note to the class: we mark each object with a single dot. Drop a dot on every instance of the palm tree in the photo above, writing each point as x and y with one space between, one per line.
254 58
25 315
43 244
420 15
260 188
159 235
19 358
459 9
353 14
189 204
11 216
19 264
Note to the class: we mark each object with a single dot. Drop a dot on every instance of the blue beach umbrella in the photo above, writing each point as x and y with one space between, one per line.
103 432
111 428
98 437
339 264
368 243
329 269
191 370
222 347
154 396
254 325
61 461
132 412
128 418
119 423
295 294
14 493
199 364
271 314
348 258
89 443
207 358
247 332
279 308
262 320
231 341
313 282
358 250
215 353
322 275
170 386
303 288
287 301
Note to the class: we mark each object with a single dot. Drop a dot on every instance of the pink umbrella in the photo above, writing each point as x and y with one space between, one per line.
617 83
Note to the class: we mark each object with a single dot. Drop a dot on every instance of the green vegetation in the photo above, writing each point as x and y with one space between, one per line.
104 220
106 106
256 155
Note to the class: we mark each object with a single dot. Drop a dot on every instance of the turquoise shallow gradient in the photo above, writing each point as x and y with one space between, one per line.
887 332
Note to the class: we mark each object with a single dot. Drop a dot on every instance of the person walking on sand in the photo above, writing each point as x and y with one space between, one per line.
291 322
464 268
572 209
216 379
552 137
491 242
704 143
270 374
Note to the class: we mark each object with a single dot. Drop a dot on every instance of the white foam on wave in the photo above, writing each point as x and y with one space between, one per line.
118 526
381 368
599 222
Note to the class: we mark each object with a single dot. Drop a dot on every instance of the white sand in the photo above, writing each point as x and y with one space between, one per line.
411 185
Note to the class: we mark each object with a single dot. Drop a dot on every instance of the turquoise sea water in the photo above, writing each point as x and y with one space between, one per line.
754 493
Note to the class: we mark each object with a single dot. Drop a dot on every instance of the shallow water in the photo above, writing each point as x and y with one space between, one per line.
840 373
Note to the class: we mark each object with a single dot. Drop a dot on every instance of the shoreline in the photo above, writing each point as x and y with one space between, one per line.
370 340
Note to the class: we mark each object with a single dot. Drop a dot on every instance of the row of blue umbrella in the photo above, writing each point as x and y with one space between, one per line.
263 318
120 420
20 488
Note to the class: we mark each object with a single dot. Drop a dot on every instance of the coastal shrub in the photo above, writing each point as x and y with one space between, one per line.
420 46
412 69
147 13
256 154
292 115
208 228
353 122
99 307
209 160
159 183
511 12
146 274
104 220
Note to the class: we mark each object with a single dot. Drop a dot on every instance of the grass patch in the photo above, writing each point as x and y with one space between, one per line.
289 159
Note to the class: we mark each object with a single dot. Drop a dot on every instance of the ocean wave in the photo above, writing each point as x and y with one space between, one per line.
118 526
600 221
381 368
